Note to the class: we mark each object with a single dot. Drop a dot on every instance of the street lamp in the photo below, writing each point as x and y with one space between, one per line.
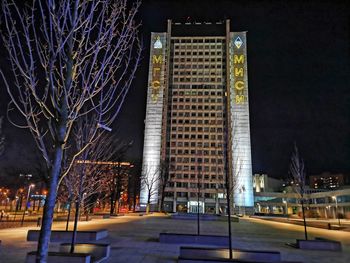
27 203
105 127
286 204
336 208
6 202
242 191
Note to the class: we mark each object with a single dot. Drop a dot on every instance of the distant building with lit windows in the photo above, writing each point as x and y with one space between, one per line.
326 180
197 118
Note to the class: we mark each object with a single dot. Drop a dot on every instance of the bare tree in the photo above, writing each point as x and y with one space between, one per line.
86 178
69 58
164 178
299 178
232 183
117 177
2 138
149 181
134 185
235 182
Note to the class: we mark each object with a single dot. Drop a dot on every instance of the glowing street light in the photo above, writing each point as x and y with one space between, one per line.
105 127
286 204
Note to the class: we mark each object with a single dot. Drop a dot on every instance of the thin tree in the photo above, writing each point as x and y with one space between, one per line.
299 179
118 173
232 182
164 178
134 184
68 58
86 178
149 182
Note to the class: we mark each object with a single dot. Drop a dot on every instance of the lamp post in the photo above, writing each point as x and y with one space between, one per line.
198 206
336 208
286 204
242 191
259 207
6 202
27 202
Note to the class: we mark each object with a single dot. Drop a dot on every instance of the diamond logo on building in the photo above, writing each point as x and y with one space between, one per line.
158 44
238 42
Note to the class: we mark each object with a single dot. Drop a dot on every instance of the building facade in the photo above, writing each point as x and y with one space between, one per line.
327 180
265 183
197 119
319 204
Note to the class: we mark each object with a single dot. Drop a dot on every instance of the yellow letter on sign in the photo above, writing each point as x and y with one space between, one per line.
156 84
238 59
238 72
155 70
239 85
156 59
239 99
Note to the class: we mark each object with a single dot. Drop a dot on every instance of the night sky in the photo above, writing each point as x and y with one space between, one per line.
298 74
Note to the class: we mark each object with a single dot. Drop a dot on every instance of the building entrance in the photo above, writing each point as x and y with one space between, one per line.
193 207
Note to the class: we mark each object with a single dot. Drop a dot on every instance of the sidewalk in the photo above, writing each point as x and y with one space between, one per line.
311 222
134 239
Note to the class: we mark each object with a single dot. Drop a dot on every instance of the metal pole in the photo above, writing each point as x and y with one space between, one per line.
336 207
199 191
228 202
303 210
286 209
25 209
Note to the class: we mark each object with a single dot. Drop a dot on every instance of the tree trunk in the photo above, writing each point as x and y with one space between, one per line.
229 224
45 231
68 217
134 202
74 234
303 211
20 203
148 202
134 195
111 212
161 205
228 203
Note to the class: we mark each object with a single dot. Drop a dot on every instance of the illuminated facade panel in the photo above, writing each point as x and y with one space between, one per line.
240 128
153 121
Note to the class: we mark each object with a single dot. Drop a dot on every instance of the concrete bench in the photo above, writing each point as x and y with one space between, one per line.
212 240
98 252
319 244
195 260
189 216
336 227
223 253
66 236
59 257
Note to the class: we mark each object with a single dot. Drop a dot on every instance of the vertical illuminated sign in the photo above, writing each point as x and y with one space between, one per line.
240 128
153 120
157 63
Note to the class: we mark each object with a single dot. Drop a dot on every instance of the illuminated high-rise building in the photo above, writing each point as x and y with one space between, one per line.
197 119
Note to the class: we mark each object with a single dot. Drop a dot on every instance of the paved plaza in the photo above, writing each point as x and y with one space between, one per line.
134 239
